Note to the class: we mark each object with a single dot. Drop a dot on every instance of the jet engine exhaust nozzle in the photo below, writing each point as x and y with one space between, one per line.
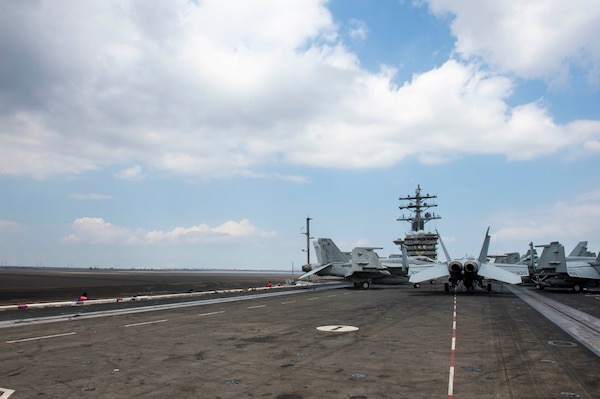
471 267
455 267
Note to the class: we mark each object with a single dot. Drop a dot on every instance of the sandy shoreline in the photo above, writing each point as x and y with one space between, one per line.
22 284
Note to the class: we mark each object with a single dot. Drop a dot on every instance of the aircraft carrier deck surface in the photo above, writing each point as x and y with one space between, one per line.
327 341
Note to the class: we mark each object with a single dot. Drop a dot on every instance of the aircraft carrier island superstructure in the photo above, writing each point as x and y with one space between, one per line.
418 242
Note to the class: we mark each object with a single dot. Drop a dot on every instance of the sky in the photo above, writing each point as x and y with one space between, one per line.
203 134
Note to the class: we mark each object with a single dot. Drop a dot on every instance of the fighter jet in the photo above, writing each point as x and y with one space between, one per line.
361 267
470 271
575 271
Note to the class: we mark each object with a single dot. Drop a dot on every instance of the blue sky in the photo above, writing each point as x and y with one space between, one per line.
184 134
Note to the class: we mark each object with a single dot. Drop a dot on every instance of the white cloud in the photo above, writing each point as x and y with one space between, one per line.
358 30
225 88
534 38
9 226
133 174
97 231
568 221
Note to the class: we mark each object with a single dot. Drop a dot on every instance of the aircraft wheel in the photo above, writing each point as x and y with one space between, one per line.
446 287
365 285
417 285
539 287
577 288
489 288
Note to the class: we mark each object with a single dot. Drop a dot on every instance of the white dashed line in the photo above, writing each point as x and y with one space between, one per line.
256 307
452 353
312 299
211 313
146 322
38 338
285 303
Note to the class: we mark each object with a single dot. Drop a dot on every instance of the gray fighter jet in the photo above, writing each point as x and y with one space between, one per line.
361 267
470 271
575 271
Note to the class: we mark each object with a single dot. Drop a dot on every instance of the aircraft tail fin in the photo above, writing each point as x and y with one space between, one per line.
444 247
485 247
532 258
580 249
404 259
328 252
553 257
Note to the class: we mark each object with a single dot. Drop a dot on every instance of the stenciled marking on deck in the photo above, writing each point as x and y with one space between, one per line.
145 323
452 353
5 393
337 328
256 307
14 341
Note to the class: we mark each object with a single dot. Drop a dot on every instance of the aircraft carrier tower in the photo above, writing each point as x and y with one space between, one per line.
418 242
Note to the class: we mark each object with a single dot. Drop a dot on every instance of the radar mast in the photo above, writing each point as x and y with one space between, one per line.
418 242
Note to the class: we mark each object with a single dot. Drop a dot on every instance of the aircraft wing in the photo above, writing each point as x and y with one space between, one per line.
431 273
582 270
415 268
520 269
314 271
490 271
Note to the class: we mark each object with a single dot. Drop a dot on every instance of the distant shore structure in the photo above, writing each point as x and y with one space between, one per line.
418 242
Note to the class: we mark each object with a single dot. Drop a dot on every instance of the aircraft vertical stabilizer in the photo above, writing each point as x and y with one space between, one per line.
484 248
580 249
328 252
553 257
448 258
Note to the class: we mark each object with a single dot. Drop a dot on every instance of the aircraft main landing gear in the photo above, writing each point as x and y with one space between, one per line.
364 284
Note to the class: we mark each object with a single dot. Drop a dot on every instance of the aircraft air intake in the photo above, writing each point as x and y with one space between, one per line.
455 267
471 267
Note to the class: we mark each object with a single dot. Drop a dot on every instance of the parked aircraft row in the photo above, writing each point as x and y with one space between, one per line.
362 266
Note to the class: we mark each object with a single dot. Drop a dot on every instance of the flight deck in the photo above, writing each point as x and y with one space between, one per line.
327 342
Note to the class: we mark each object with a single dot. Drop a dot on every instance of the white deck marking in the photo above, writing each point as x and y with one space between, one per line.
452 353
285 303
6 393
152 308
337 328
211 313
313 298
145 322
256 307
14 341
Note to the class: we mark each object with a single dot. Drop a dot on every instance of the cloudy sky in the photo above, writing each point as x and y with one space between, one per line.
203 133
